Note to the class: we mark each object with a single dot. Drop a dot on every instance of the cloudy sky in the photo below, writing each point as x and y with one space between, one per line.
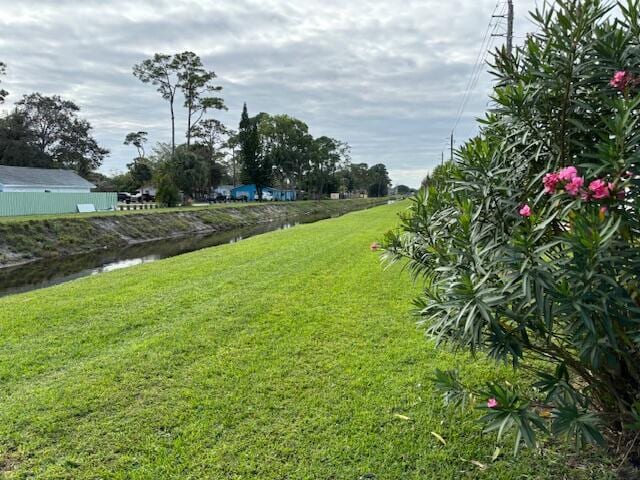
387 76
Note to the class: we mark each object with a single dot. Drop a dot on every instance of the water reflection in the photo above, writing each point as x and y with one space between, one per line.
48 272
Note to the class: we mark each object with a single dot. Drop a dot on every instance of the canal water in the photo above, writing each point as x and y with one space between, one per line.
48 272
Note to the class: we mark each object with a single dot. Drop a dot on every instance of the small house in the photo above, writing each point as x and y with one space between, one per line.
249 192
50 180
282 195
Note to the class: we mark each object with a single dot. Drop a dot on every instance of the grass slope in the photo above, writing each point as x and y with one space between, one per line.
288 355
63 236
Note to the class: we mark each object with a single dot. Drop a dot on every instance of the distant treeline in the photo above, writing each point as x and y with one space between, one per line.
276 150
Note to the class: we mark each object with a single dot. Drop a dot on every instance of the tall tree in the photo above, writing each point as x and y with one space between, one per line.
48 118
233 145
196 84
212 137
78 149
256 167
359 173
212 134
57 132
380 181
162 71
328 156
17 143
137 139
287 142
140 171
3 93
189 172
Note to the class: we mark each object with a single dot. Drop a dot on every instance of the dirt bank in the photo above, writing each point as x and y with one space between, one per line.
28 240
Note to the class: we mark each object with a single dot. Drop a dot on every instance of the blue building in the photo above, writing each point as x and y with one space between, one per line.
249 193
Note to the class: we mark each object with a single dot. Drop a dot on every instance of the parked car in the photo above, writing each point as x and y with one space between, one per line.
217 198
124 197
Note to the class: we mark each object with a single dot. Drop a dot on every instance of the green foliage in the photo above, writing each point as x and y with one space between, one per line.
256 166
379 181
46 132
288 144
182 72
554 287
161 70
140 172
137 139
17 143
167 194
196 84
403 190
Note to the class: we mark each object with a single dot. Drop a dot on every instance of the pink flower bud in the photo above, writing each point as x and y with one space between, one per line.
492 403
621 79
525 210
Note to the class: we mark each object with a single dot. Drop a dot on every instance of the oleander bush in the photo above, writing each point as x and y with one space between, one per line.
528 243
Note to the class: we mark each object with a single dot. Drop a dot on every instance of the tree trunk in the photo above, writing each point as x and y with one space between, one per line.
173 130
233 160
189 110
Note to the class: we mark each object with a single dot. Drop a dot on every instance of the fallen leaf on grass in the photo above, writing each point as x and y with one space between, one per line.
481 466
401 417
440 439
496 454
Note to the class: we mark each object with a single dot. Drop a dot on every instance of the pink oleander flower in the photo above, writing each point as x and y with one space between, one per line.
567 174
574 186
550 182
525 210
599 189
492 403
620 79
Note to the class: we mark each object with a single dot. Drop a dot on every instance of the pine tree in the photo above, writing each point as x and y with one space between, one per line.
256 167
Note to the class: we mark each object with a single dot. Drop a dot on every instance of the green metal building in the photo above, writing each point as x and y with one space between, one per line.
34 191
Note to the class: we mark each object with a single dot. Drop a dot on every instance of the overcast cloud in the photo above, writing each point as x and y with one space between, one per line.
385 76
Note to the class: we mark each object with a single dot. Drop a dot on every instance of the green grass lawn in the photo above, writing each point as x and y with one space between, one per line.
291 355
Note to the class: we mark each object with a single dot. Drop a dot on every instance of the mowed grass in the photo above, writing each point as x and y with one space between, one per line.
291 355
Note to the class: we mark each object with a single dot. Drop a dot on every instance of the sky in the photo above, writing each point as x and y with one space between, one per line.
386 76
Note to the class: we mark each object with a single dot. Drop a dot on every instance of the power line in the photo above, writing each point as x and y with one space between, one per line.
485 39
483 52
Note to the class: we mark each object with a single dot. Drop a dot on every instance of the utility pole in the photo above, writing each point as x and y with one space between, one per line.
442 158
509 33
509 26
451 157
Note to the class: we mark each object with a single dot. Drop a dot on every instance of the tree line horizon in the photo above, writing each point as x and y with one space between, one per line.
266 150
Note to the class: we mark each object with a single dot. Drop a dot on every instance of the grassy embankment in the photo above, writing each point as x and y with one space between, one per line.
288 355
30 238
